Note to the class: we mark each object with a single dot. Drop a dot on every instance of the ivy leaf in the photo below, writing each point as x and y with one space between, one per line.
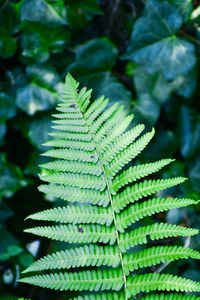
39 41
41 11
32 98
46 76
155 45
11 178
97 55
7 107
184 6
146 110
157 87
38 132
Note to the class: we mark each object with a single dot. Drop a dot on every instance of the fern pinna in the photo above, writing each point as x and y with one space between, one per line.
91 150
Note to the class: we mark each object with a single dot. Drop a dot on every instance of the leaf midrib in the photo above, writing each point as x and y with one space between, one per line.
110 197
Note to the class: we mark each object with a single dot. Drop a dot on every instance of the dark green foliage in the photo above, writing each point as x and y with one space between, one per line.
103 45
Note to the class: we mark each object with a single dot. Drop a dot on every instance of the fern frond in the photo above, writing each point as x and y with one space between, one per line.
136 172
92 143
156 255
110 279
129 153
76 195
143 189
74 234
148 208
152 281
155 232
76 215
91 255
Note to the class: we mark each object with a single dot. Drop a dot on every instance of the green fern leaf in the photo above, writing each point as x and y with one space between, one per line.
74 195
103 296
152 281
121 296
76 145
137 172
148 208
125 156
143 189
117 131
73 234
110 279
76 180
71 136
108 125
91 144
69 154
154 232
121 143
170 297
156 255
91 255
77 167
76 215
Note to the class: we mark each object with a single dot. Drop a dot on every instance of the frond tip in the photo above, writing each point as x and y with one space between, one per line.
90 148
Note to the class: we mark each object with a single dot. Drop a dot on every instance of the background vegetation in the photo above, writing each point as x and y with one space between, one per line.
143 54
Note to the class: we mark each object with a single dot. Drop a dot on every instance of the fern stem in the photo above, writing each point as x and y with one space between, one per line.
111 202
